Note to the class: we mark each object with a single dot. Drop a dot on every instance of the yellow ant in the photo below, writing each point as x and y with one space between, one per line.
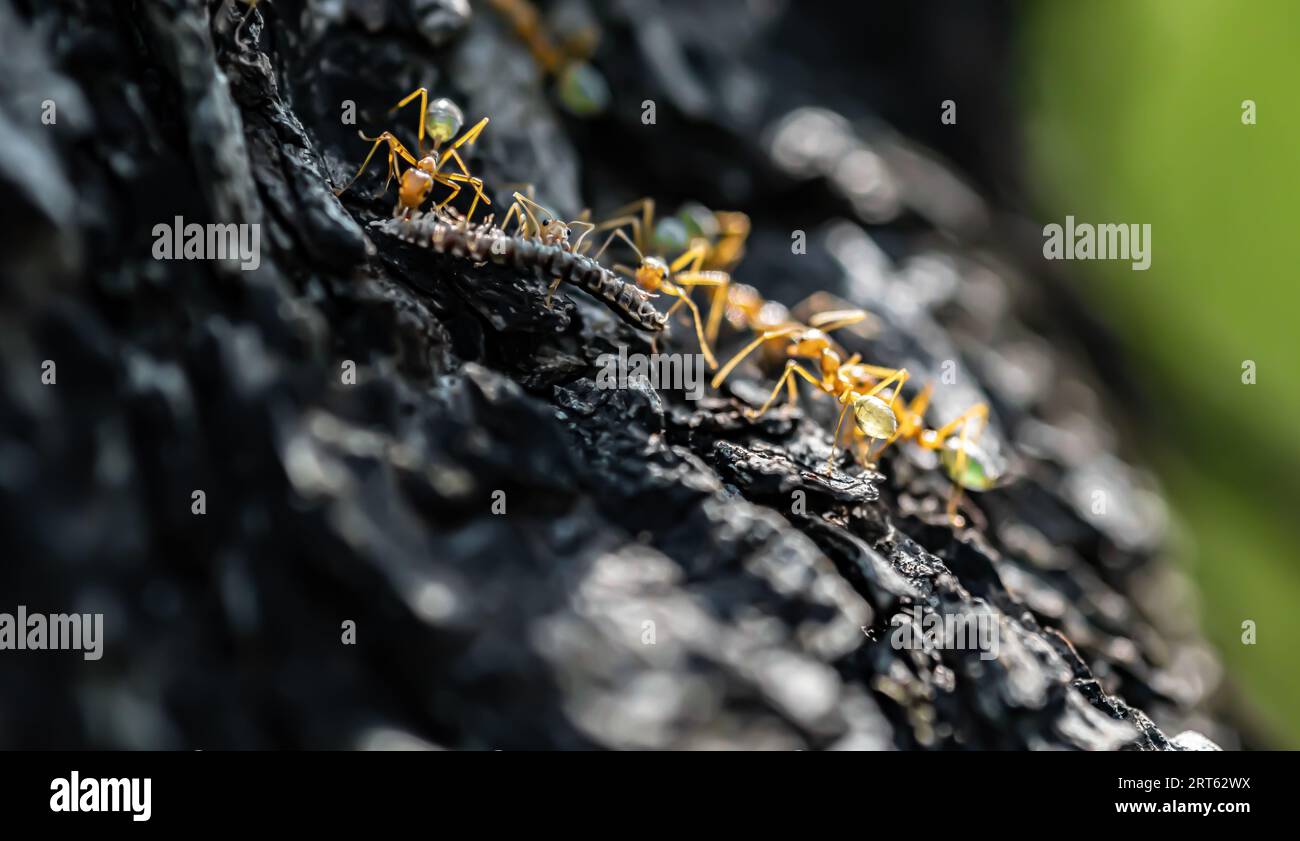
674 278
723 234
580 86
443 119
969 466
851 382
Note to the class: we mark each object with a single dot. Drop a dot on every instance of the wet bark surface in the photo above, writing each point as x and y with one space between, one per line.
666 572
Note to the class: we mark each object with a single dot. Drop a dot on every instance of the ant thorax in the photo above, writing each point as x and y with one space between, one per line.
812 343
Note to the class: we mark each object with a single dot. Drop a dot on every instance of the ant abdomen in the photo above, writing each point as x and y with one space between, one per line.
443 120
970 465
875 418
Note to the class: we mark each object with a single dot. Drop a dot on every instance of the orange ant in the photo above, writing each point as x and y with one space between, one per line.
970 466
443 119
579 85
851 382
722 233
674 278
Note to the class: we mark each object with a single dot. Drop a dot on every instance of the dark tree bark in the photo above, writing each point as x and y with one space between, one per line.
666 572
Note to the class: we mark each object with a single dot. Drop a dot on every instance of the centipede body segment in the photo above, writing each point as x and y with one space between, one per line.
487 243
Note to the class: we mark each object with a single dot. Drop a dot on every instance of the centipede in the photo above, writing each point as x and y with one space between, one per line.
455 237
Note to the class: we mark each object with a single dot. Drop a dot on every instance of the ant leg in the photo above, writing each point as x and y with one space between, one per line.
719 281
479 195
691 259
550 291
618 232
587 228
835 319
683 298
395 147
644 226
765 336
467 138
897 376
455 191
513 213
980 411
423 94
717 309
877 370
835 436
616 224
447 178
954 498
791 368
695 278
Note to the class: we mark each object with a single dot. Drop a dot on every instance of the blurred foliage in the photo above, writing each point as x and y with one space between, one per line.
1134 114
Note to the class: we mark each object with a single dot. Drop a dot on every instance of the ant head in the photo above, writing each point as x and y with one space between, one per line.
443 120
874 417
554 232
651 273
970 465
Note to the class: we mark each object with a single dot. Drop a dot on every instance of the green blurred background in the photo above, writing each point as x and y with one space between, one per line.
1134 114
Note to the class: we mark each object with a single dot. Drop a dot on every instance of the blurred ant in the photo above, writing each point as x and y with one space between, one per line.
721 233
441 120
851 382
579 85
